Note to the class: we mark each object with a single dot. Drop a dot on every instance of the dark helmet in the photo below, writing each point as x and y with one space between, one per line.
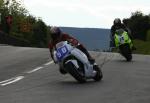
55 32
117 21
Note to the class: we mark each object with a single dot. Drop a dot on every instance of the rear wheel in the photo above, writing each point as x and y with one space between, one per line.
99 74
78 75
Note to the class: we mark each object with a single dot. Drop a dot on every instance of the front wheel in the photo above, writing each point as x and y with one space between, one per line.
126 51
129 57
79 76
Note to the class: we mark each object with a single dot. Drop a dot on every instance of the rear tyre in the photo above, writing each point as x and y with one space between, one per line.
79 76
99 74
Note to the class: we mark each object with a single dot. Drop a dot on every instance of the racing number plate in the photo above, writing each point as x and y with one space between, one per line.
121 39
61 52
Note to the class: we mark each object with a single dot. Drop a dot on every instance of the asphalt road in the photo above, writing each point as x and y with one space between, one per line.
27 75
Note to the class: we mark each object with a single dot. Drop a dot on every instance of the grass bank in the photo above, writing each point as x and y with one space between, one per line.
143 47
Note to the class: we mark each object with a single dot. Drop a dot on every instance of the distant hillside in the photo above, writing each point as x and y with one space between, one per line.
92 38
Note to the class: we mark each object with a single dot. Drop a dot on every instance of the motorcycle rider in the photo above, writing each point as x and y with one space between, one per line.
57 36
118 25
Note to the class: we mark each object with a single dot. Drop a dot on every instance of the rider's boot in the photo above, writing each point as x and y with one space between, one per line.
92 61
95 66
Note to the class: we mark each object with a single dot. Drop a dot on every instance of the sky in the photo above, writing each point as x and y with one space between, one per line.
84 13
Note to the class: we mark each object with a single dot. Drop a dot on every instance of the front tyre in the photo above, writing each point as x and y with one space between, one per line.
129 57
79 76
126 51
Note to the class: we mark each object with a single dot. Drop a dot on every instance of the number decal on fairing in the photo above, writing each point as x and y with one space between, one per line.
64 50
121 39
61 52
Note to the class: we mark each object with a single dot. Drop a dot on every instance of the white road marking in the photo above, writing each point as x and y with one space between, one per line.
15 79
12 80
34 70
38 68
6 80
49 63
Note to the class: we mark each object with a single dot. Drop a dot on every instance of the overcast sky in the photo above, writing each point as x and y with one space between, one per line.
84 13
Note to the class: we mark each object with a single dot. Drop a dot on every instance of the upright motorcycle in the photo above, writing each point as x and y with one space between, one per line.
75 62
124 43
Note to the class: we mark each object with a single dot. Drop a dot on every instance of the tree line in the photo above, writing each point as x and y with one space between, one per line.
139 25
23 25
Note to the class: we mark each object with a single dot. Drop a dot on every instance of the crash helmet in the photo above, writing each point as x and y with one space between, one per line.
117 21
55 32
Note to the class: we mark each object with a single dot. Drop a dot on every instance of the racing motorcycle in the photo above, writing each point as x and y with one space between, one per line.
75 62
124 43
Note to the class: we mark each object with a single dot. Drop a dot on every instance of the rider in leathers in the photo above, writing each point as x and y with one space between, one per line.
118 25
57 35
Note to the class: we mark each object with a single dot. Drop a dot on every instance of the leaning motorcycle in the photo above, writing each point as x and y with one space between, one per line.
75 62
124 43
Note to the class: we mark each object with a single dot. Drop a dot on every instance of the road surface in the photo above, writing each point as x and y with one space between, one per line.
28 75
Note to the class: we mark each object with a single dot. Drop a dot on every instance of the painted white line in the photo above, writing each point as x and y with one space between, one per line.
15 79
38 68
12 80
6 80
34 70
49 63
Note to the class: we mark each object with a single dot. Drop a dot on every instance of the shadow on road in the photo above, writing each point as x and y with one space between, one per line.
124 61
73 83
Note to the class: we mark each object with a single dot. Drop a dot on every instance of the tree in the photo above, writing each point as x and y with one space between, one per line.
139 25
24 26
40 33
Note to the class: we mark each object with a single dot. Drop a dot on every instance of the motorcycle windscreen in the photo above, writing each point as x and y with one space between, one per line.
61 52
